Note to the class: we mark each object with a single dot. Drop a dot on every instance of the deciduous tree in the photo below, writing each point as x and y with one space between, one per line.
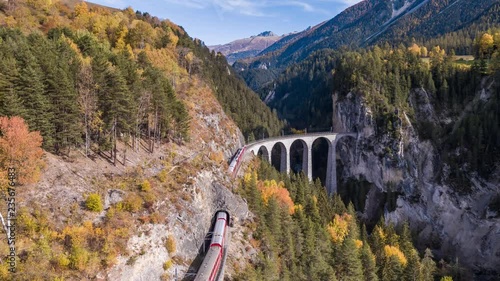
20 149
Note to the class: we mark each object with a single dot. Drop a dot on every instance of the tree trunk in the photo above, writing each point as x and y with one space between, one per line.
125 156
114 143
87 141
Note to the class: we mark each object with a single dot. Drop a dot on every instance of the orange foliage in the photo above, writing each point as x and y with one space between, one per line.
358 243
20 149
278 191
81 9
393 251
414 49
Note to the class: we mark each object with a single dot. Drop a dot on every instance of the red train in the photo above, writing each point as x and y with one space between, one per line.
235 161
210 268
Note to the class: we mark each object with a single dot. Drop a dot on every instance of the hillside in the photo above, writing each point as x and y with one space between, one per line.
374 22
246 47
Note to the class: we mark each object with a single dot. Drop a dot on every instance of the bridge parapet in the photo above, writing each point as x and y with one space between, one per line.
285 143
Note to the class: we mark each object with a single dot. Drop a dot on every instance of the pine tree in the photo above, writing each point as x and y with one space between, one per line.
182 121
349 262
62 92
428 266
412 272
392 269
10 102
368 262
405 239
31 91
378 243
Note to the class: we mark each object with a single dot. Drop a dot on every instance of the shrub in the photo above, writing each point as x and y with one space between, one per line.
170 244
94 203
131 260
155 217
132 203
162 176
110 213
145 186
63 261
167 265
79 258
217 157
27 224
149 200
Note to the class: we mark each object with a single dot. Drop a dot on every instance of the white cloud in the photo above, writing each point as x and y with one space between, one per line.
303 5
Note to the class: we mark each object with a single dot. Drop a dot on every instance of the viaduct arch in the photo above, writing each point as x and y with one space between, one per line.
269 147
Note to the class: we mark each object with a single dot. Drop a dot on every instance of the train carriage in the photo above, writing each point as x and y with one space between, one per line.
210 268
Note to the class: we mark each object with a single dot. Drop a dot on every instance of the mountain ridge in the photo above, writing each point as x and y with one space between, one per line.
368 23
246 47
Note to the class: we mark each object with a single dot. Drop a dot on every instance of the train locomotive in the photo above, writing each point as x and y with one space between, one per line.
210 268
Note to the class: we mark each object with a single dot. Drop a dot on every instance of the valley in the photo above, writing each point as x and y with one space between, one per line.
369 143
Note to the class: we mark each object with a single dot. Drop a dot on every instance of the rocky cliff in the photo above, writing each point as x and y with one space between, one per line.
453 225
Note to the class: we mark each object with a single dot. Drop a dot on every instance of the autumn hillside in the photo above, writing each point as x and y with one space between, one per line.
137 122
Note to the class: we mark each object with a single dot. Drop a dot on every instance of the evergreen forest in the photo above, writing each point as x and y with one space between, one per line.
304 234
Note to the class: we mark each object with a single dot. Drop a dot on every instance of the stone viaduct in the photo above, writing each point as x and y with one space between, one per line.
264 148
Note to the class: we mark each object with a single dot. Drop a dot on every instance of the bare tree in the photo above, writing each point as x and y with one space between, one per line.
141 112
87 101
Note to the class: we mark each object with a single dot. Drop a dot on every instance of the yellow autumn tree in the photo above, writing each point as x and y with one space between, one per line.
423 51
394 251
81 16
414 49
339 228
43 4
81 9
140 34
173 39
437 56
485 45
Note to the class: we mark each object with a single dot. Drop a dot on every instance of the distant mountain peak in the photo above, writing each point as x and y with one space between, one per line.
246 47
266 34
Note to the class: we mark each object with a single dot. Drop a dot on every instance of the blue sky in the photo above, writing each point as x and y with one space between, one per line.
222 21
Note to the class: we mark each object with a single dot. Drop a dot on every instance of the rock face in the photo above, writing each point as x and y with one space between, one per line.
452 225
188 223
